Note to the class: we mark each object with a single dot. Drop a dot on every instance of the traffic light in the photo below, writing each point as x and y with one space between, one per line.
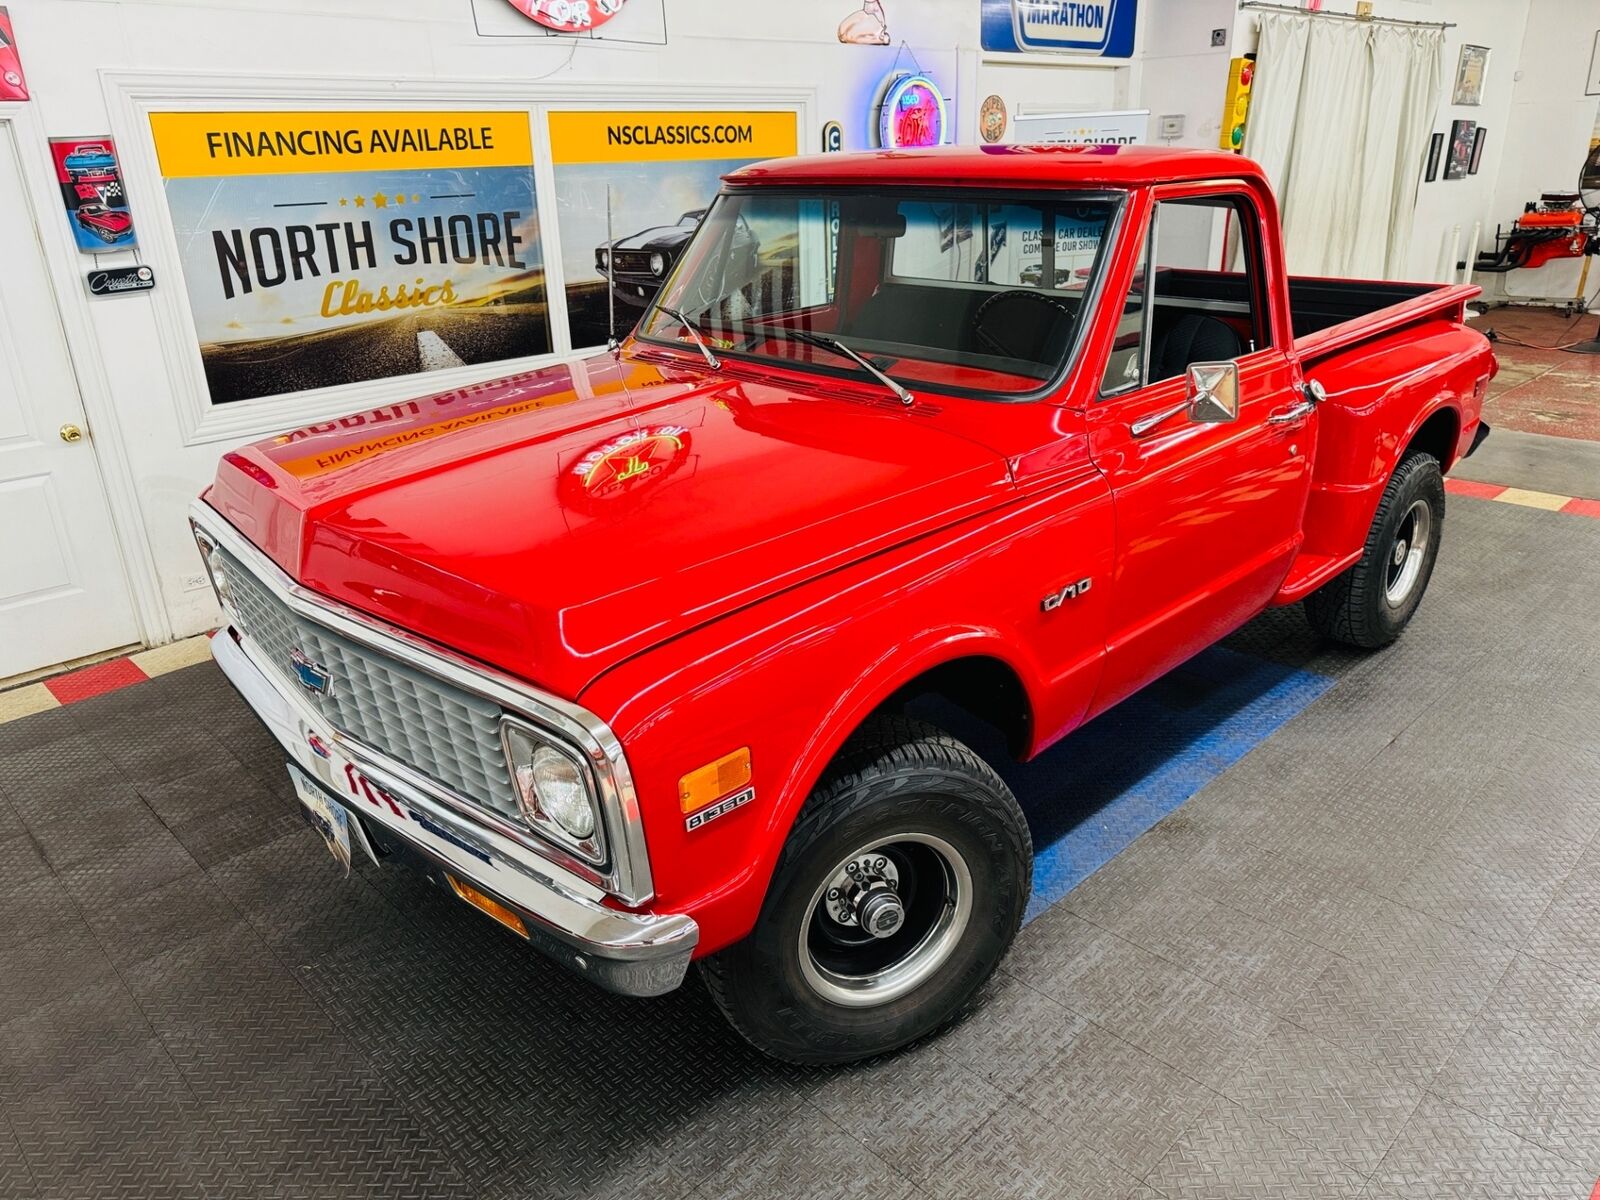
1236 108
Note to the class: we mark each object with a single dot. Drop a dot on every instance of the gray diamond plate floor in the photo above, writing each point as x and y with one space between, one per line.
1364 961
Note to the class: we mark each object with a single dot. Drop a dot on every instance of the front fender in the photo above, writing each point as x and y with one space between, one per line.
794 676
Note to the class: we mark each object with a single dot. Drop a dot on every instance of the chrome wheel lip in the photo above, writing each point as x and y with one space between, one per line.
923 960
1401 576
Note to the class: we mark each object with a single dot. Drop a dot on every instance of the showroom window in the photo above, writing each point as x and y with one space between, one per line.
319 260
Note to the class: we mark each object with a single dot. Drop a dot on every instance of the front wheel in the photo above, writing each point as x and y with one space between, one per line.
900 888
1370 604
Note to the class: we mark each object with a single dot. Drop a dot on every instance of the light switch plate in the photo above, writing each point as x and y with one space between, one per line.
1172 125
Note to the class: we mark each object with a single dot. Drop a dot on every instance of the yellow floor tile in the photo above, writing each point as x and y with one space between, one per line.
174 655
24 701
1533 499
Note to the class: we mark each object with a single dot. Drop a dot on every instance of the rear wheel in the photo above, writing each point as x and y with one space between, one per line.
1370 604
900 888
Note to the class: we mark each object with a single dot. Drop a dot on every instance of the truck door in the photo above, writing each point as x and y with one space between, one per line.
1208 516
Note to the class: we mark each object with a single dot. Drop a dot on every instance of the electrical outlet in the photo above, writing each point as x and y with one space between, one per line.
195 583
1171 125
1219 37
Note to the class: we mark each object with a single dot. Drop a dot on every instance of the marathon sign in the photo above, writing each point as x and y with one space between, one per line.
323 249
1102 28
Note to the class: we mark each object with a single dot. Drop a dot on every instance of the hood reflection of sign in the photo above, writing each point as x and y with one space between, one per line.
627 461
624 466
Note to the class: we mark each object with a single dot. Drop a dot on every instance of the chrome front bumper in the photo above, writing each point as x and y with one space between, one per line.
635 954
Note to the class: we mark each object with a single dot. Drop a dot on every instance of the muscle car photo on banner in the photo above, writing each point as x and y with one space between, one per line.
329 248
656 172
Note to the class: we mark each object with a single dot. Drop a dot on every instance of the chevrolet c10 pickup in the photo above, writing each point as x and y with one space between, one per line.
625 652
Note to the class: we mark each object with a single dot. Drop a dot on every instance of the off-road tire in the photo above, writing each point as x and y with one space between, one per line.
895 776
1354 607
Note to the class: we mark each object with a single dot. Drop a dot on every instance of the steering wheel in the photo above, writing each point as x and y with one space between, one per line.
987 309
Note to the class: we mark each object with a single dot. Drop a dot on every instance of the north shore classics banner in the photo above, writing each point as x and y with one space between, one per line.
327 248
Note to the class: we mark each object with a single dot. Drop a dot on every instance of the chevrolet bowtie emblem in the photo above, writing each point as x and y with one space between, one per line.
313 676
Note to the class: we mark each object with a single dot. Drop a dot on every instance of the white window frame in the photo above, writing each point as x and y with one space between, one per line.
131 96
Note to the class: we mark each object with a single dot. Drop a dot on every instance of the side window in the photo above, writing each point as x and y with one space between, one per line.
1197 296
1204 289
1125 364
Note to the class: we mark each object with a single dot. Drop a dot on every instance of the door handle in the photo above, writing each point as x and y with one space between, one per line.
1313 393
1290 415
71 433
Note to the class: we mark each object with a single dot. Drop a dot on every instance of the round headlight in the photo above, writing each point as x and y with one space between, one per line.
220 580
602 257
220 583
658 263
557 783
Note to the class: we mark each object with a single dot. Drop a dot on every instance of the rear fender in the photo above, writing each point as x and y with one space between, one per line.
1380 395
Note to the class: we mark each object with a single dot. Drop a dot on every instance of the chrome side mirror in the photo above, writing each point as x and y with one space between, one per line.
1213 392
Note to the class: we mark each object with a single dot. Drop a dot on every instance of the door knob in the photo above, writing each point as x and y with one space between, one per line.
71 433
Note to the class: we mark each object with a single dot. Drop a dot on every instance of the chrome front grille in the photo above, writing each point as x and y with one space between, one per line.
448 734
633 261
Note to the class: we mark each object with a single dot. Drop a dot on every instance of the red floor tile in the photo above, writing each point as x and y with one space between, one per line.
1471 487
92 681
1582 508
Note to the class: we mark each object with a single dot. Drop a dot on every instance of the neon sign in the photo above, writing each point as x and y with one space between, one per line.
912 112
569 16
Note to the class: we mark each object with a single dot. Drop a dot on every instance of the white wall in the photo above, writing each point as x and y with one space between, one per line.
67 45
1547 133
1181 72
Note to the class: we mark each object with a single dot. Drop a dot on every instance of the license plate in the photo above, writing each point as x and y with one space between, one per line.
326 817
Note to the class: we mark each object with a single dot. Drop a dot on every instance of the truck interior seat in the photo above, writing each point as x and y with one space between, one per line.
913 315
1189 338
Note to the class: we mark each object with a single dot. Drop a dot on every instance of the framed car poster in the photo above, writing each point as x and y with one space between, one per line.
1471 68
91 191
12 85
1477 150
1459 156
320 249
631 189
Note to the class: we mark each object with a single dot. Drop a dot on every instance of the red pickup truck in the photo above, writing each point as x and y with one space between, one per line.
621 651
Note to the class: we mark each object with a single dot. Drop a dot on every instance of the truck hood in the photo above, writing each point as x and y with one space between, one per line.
557 522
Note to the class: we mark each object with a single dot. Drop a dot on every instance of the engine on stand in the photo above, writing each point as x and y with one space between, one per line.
1556 226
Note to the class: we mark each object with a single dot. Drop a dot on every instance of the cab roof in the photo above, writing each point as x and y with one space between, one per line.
1015 166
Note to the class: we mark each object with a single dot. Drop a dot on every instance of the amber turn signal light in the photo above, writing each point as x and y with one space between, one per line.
710 783
488 904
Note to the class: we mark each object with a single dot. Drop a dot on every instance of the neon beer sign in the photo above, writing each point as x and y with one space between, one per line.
912 112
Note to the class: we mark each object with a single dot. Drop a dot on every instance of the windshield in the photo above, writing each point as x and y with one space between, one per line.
964 291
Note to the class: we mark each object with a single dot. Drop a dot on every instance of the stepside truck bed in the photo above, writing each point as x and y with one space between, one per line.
1330 315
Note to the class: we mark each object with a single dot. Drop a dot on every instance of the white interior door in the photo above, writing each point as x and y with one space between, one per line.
63 593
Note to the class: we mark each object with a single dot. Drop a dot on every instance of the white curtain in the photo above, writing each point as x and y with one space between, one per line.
1340 117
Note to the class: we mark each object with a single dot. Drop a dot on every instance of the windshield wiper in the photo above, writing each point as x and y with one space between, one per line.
700 342
839 348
